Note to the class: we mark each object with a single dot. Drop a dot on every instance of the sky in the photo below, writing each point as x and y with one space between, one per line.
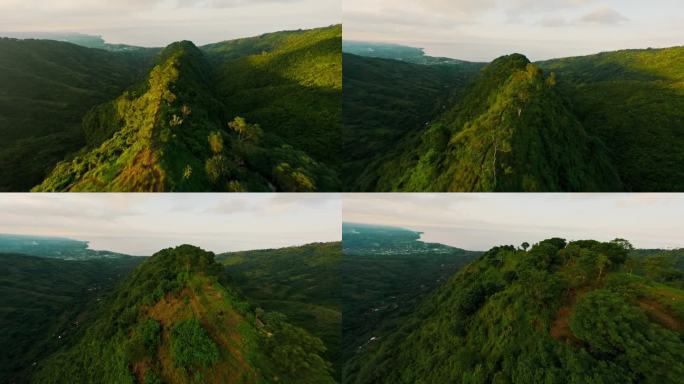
141 224
481 221
155 23
482 30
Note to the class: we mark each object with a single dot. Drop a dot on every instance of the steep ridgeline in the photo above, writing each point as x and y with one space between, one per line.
558 313
303 283
171 134
45 303
46 87
173 321
386 273
509 131
634 101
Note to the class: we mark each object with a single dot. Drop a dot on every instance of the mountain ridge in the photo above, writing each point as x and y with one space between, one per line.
173 319
572 108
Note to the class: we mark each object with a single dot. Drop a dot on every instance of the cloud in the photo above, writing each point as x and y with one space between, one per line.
157 23
480 221
603 16
144 223
483 30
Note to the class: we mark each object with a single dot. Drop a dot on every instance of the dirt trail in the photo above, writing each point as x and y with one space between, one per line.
657 313
560 329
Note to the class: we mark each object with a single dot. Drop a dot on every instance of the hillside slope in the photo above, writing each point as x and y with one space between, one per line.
386 273
558 313
384 102
45 303
634 101
509 131
303 283
46 87
290 83
173 321
172 133
606 122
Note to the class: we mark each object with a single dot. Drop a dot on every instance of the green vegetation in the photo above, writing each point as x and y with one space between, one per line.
173 320
663 266
290 83
176 129
303 283
191 348
384 102
634 101
47 88
607 122
45 303
387 272
556 313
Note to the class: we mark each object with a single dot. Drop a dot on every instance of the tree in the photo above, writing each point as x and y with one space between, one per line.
525 245
187 172
245 131
238 125
186 111
176 121
215 142
624 244
602 262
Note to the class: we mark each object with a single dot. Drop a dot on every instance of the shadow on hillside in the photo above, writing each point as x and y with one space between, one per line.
639 116
308 117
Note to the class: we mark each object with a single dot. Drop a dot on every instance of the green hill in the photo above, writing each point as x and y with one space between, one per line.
386 273
290 83
508 131
558 313
46 302
256 114
303 283
172 320
634 101
606 122
47 88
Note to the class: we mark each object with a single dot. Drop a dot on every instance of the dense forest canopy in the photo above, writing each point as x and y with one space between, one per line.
558 312
606 122
254 114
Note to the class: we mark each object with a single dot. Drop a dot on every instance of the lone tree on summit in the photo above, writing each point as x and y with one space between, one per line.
525 245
